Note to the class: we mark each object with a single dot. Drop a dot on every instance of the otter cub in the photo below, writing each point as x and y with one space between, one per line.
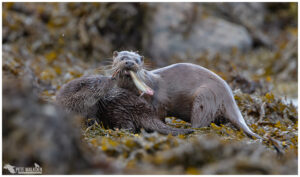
98 97
187 91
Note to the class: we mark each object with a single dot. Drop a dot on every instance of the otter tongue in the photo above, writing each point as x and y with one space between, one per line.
140 84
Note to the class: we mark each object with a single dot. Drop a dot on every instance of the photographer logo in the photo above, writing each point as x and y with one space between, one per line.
24 170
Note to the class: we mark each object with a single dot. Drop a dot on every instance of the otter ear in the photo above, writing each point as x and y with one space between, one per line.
142 58
115 54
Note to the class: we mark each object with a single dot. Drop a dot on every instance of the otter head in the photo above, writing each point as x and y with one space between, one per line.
126 61
128 70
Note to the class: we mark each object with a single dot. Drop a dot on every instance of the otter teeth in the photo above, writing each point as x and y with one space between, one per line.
126 72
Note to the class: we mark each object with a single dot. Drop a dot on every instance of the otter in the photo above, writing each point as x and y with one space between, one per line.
99 98
184 90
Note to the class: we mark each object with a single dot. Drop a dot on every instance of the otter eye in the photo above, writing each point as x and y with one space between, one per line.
124 58
136 60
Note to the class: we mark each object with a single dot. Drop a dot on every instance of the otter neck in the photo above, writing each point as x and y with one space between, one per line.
127 84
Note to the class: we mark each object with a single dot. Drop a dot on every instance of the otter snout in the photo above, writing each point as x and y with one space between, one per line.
129 64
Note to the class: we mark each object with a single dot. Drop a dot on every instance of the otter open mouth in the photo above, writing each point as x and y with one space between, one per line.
140 84
120 73
127 73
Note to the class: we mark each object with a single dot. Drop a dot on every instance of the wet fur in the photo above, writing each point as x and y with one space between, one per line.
98 97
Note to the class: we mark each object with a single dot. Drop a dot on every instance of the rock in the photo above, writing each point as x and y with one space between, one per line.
251 16
182 30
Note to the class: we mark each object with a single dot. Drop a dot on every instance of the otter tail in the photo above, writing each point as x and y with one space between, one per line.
233 113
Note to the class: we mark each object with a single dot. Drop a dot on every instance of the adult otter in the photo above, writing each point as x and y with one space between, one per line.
98 97
184 90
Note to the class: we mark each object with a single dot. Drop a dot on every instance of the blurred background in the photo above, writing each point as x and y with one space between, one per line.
253 46
256 42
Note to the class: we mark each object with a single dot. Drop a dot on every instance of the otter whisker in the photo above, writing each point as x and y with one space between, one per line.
113 70
148 66
115 73
104 68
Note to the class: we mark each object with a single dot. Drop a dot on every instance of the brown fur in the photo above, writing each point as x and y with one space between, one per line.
185 90
99 97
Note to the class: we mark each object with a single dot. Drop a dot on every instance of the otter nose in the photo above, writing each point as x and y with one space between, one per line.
129 63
